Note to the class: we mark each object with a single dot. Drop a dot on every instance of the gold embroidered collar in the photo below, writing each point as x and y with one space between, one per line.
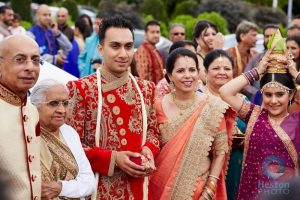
113 82
9 96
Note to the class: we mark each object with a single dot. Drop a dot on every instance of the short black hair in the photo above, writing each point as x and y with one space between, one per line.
267 26
285 79
116 22
151 23
4 8
214 54
177 53
203 26
181 43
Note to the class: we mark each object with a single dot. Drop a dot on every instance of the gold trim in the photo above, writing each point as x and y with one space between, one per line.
112 163
198 148
254 115
9 96
287 142
113 82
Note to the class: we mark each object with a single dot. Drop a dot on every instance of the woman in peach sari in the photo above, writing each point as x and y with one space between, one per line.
193 136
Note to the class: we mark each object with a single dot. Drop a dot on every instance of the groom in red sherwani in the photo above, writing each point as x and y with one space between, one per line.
117 127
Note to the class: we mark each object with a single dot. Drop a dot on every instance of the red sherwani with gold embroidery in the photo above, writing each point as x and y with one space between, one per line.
149 63
121 128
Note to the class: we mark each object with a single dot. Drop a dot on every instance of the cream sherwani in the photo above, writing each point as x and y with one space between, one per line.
20 146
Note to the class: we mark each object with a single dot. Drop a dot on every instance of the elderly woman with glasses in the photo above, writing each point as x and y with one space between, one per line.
66 172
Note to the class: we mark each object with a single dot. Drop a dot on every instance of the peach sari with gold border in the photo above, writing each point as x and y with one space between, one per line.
183 164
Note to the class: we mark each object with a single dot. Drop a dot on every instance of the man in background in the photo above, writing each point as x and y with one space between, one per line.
6 20
54 45
246 36
62 18
149 61
176 33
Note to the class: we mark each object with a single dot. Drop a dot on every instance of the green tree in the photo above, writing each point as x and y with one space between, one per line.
23 8
232 10
71 6
110 8
156 8
266 15
186 8
217 19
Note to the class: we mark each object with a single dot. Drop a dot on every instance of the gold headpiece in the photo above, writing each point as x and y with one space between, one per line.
278 57
274 84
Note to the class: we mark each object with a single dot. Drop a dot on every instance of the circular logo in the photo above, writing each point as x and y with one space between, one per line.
273 167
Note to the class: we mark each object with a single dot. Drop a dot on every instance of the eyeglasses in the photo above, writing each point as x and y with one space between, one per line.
56 103
21 60
178 33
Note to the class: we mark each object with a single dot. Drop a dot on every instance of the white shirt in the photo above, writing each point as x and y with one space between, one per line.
85 183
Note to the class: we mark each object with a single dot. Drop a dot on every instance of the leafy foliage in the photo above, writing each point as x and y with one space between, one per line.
22 8
109 8
71 6
186 8
233 10
217 19
266 15
156 8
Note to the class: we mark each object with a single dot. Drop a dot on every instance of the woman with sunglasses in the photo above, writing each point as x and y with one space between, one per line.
65 170
272 136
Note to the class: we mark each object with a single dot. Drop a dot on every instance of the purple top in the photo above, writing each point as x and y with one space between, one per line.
267 160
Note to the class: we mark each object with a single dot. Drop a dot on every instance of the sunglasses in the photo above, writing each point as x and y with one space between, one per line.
178 33
56 103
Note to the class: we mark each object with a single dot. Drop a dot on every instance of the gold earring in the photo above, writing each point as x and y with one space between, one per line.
172 86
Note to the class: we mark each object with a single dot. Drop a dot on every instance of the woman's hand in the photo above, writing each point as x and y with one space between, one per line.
51 190
218 41
292 68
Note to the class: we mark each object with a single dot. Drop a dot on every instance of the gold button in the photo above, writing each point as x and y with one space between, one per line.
29 138
120 121
122 131
25 118
30 158
116 110
123 141
111 98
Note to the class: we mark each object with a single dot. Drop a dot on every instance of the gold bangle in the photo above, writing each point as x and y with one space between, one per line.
214 176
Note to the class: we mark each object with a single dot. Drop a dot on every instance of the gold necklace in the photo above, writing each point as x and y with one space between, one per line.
183 106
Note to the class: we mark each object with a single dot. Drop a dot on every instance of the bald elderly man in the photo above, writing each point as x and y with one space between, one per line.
49 38
62 17
20 141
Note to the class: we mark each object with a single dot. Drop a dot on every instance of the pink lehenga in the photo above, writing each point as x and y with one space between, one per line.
270 154
188 142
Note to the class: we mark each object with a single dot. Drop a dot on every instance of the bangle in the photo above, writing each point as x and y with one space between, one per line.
211 185
297 79
210 193
214 176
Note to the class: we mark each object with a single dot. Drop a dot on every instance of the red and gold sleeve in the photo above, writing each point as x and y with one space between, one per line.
102 161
